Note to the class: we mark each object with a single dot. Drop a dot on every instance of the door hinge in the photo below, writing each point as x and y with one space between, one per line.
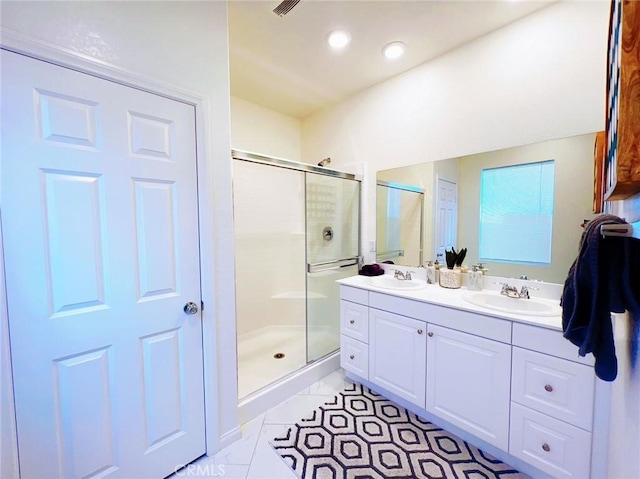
201 305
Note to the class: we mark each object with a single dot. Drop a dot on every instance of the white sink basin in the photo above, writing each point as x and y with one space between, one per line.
389 282
499 302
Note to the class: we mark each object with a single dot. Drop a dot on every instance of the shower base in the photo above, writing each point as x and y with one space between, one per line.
257 364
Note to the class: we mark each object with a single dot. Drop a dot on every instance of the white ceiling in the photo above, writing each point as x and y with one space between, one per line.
285 64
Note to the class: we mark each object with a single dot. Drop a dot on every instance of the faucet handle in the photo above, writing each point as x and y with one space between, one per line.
407 275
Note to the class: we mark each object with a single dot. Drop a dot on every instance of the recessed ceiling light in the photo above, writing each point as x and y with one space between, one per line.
394 50
338 39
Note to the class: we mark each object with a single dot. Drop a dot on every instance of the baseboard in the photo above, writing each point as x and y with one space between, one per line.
230 437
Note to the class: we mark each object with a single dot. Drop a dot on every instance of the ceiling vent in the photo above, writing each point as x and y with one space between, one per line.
285 7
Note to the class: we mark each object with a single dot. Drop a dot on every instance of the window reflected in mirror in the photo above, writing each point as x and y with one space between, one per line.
516 213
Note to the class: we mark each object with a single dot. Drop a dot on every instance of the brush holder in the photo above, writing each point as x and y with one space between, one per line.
450 278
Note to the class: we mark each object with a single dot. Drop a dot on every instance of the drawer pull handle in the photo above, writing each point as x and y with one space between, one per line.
546 447
430 334
548 388
352 321
351 357
419 331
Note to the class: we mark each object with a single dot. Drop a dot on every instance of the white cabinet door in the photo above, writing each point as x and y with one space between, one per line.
468 380
397 354
100 225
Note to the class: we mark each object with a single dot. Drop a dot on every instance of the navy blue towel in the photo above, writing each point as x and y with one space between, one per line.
604 278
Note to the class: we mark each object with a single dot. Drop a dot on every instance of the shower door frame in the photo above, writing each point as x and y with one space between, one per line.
292 165
308 168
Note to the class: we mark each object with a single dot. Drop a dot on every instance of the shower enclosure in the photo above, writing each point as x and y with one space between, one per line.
399 223
296 233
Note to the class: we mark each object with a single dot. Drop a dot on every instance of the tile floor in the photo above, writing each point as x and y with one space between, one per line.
252 457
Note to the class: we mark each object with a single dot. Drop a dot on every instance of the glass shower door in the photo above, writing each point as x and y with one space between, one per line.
332 249
269 222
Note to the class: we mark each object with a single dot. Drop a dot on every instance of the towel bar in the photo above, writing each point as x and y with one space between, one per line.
627 230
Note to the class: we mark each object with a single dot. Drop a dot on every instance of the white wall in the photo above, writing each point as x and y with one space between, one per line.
183 45
624 432
8 445
540 78
259 130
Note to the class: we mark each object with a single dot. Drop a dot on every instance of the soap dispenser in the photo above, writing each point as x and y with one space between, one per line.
474 279
431 273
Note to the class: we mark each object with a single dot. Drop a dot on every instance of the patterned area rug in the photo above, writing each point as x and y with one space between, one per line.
362 435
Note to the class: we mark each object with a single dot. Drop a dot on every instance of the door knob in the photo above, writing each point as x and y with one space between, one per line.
190 308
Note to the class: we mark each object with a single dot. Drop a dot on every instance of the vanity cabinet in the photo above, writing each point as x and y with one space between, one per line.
552 394
519 387
397 354
468 380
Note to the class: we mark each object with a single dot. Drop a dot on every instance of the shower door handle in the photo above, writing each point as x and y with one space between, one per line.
336 264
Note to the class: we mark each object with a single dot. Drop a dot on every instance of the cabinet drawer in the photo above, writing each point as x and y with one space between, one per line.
548 341
354 320
553 446
354 356
559 388
355 295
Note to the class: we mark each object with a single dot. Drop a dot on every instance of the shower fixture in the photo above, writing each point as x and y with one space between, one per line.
324 162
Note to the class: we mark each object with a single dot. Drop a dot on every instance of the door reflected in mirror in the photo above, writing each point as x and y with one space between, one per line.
572 204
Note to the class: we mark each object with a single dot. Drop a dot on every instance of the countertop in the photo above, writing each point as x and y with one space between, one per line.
453 298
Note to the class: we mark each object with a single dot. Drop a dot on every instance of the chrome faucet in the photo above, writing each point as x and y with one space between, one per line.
510 291
402 276
524 292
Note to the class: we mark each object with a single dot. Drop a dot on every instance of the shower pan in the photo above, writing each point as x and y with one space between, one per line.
296 232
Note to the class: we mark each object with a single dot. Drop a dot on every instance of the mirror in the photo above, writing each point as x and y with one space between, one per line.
399 215
451 209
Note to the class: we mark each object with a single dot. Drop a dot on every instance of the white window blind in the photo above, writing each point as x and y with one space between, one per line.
516 213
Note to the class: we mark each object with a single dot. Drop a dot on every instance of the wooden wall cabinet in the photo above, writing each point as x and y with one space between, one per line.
621 171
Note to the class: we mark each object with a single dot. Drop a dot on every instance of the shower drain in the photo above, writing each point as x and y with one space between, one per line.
278 355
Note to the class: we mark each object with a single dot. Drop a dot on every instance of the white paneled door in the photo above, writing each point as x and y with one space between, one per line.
100 222
446 217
